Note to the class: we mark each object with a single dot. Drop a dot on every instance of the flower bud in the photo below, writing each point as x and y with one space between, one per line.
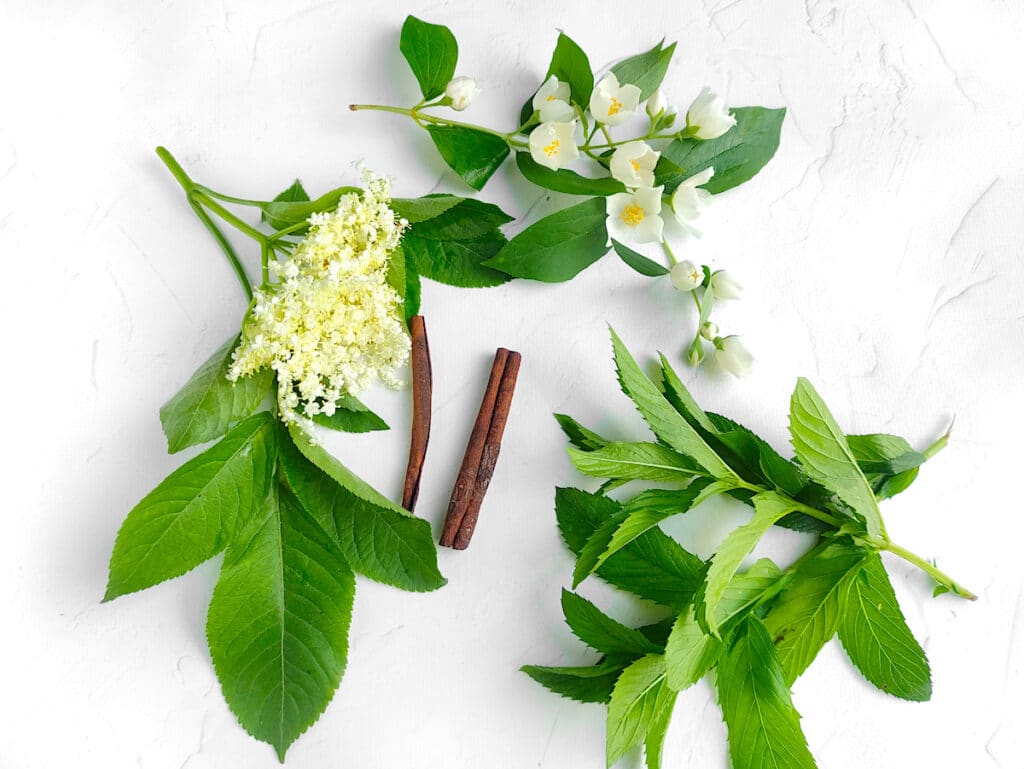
709 330
686 276
724 286
460 92
733 355
656 103
695 354
708 117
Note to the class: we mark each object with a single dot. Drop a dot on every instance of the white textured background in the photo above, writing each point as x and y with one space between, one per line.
882 254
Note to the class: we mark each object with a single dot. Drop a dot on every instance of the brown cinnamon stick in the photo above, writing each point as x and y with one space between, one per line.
491 449
463 490
422 385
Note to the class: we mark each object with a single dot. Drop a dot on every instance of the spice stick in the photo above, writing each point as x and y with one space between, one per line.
463 491
492 447
422 385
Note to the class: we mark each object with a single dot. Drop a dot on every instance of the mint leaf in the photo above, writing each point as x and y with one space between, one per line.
599 631
654 744
468 219
565 180
278 623
736 156
805 615
432 53
559 246
385 545
583 684
875 635
638 705
456 262
197 510
639 262
888 462
578 435
690 652
676 394
474 155
570 65
764 727
634 461
645 70
825 455
209 405
663 419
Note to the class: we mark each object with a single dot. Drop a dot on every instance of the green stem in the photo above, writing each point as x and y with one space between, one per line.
288 231
229 217
229 198
927 567
421 117
674 260
225 246
265 262
938 445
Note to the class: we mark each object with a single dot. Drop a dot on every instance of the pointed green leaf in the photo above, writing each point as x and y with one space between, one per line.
413 292
278 623
566 180
473 155
888 462
599 631
469 219
654 743
690 652
415 210
639 262
875 635
197 510
634 461
638 704
578 435
593 683
645 70
570 65
432 53
456 262
681 400
351 416
287 211
209 405
296 193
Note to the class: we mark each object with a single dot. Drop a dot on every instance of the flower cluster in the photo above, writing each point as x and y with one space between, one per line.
331 323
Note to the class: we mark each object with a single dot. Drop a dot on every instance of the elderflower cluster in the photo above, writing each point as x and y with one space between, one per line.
330 324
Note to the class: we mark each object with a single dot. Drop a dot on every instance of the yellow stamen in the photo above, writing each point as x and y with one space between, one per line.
633 214
552 149
636 166
552 97
615 107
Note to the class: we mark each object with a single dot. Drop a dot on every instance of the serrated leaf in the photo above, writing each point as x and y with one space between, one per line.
385 545
599 631
351 416
888 462
825 455
764 727
456 262
638 702
762 461
415 210
638 261
432 53
653 566
645 70
805 615
566 180
634 461
664 420
681 399
654 743
290 211
559 246
278 623
296 193
209 405
736 156
875 635
690 652
413 291
578 435
593 683
469 219
473 155
196 511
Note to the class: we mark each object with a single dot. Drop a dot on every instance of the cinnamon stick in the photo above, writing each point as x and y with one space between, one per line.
491 449
422 385
463 490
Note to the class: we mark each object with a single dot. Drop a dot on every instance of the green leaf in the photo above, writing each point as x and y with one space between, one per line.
456 262
690 652
432 53
415 210
278 623
653 566
289 211
474 155
638 704
681 400
570 64
654 743
599 631
805 615
385 545
209 405
645 70
296 193
197 510
764 727
635 462
565 180
413 291
663 419
825 455
468 220
559 246
736 155
639 262
762 462
888 462
583 684
875 635
351 416
578 435
769 507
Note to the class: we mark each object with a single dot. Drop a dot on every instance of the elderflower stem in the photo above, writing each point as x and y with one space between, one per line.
418 116
928 568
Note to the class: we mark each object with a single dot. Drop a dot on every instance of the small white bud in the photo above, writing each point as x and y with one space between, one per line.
656 103
708 117
686 276
696 353
709 330
724 286
461 91
734 356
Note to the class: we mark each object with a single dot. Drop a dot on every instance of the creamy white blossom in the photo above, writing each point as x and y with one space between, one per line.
461 91
552 101
656 103
686 276
725 286
689 200
554 144
611 103
708 117
709 330
733 356
635 216
633 164
331 324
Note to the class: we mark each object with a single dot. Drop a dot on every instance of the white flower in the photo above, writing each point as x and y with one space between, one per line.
635 216
633 164
554 144
611 103
461 91
656 103
552 101
708 117
734 356
689 200
686 276
725 286
709 330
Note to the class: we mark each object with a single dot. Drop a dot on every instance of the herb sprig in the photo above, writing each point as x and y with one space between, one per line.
758 628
